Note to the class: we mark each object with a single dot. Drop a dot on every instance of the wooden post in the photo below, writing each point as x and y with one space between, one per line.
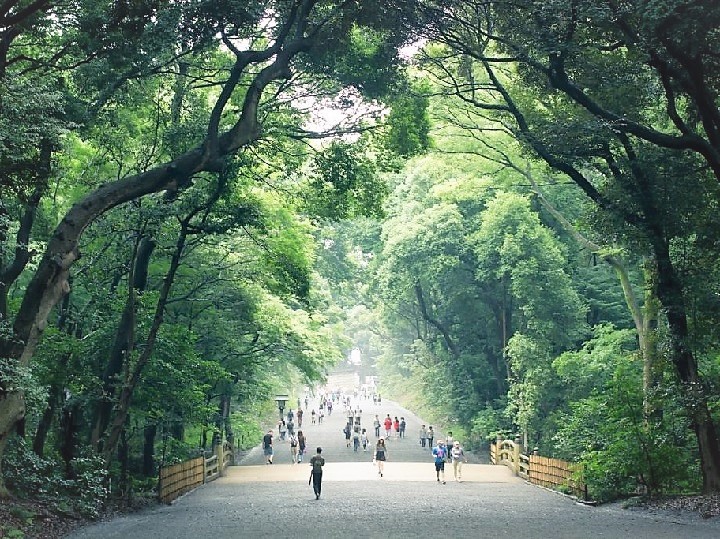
517 449
220 452
204 466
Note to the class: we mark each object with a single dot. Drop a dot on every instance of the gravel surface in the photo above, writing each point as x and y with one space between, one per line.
257 500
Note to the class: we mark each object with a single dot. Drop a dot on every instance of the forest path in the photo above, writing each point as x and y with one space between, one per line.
257 500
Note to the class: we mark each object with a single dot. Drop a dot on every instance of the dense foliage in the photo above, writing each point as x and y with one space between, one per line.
510 208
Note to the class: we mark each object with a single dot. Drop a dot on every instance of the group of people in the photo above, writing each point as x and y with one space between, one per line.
446 451
390 425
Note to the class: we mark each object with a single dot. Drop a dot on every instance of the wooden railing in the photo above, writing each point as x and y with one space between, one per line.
547 472
183 477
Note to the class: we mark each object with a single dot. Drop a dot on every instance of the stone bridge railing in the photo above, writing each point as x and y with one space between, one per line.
547 472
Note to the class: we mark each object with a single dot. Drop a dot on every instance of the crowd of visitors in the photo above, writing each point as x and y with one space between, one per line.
357 433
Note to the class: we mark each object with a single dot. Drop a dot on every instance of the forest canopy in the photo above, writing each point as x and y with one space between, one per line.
517 220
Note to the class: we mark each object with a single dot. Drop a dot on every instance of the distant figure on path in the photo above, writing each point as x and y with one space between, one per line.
282 429
423 436
300 416
430 436
364 439
316 469
356 439
439 456
293 448
376 426
458 457
347 431
388 426
449 440
312 416
302 443
403 424
380 456
268 447
396 427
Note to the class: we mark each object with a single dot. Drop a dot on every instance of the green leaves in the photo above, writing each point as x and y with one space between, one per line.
344 183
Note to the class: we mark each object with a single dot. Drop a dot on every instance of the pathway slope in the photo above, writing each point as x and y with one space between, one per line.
256 500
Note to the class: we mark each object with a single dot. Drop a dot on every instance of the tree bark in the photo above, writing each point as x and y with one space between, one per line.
149 434
123 343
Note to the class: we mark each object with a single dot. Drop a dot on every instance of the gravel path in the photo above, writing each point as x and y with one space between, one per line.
257 500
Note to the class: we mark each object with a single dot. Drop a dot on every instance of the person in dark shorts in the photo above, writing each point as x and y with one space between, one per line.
268 447
439 455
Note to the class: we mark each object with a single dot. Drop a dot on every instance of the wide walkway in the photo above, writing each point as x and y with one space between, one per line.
256 500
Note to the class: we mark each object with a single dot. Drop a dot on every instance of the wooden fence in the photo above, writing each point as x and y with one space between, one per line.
180 478
547 472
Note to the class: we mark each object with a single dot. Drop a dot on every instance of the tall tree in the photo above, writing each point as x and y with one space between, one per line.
261 46
623 138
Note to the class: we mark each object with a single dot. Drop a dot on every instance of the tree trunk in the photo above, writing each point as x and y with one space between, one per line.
123 343
46 420
69 436
149 434
693 389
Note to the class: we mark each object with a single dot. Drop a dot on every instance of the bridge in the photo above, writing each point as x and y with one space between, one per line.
256 500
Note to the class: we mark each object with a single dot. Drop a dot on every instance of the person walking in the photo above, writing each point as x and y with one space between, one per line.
387 423
268 447
293 448
403 424
312 416
396 427
302 443
380 456
364 439
423 436
282 429
299 417
458 457
439 455
347 431
356 439
430 436
316 470
376 426
449 440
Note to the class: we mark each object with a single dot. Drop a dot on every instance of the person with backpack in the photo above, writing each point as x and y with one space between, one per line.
439 456
458 457
293 448
316 470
